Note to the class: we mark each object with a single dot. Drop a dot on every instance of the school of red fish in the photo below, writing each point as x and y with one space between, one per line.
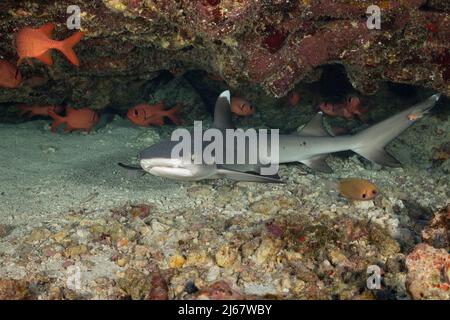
37 43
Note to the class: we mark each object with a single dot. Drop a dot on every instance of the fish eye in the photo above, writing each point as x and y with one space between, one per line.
135 112
374 191
364 195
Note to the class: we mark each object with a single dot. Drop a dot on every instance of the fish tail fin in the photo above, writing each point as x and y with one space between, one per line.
54 115
172 114
23 109
17 73
371 142
57 120
66 47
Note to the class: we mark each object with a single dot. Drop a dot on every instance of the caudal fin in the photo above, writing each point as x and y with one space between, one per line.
371 142
57 120
24 109
172 114
66 47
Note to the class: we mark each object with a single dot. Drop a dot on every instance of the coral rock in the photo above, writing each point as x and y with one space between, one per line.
437 233
427 269
274 44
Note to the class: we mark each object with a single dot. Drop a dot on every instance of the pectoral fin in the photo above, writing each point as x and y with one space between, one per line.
249 177
318 163
130 167
46 58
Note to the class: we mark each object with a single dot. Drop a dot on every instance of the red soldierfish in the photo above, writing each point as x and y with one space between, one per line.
145 114
10 77
75 119
37 43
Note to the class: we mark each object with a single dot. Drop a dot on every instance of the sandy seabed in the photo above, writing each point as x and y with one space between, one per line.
69 212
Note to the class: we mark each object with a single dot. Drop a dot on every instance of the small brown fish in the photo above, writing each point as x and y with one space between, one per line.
357 189
294 98
416 115
241 107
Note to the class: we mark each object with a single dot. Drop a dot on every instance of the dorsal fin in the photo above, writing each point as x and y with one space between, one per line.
222 112
314 128
47 29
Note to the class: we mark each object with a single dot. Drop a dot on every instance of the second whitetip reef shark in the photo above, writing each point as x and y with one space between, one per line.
311 147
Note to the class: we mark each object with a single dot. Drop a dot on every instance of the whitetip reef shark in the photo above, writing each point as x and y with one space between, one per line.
311 147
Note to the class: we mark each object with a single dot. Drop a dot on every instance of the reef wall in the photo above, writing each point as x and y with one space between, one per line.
272 44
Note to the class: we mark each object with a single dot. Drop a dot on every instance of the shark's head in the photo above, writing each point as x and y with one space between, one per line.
158 161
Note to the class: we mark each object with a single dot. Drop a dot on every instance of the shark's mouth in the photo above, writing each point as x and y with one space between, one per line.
148 164
176 169
168 172
169 168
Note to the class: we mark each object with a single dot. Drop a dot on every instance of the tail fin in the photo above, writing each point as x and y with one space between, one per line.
371 142
57 120
172 114
23 109
66 47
